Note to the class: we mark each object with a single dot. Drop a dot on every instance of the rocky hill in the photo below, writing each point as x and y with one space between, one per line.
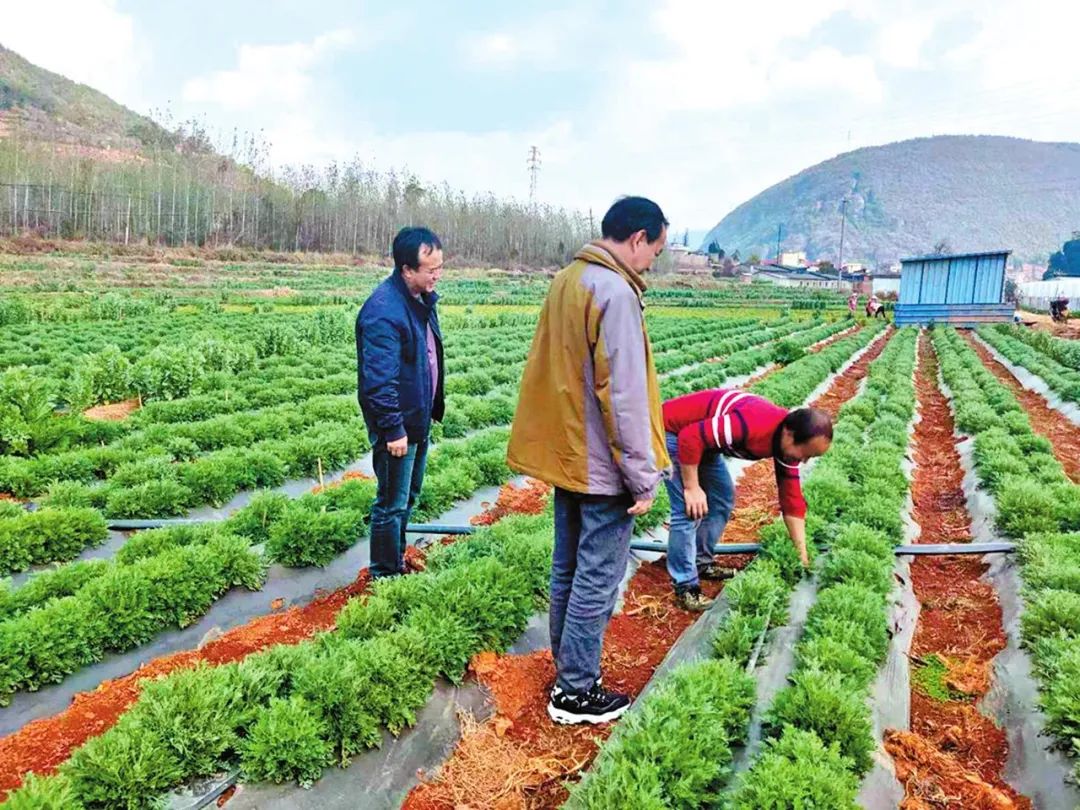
972 192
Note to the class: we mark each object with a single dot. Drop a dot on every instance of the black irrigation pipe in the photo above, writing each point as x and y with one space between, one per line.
412 528
915 550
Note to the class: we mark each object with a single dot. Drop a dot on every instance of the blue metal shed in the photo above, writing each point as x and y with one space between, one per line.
964 289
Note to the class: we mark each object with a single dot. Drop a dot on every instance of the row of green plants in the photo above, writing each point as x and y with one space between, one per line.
122 608
803 375
759 352
675 750
1062 379
1063 350
819 732
153 474
703 345
45 535
169 577
1037 505
288 713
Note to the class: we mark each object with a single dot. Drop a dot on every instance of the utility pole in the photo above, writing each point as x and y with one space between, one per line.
840 258
778 229
534 170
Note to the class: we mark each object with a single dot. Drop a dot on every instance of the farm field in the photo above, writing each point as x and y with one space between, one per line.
246 652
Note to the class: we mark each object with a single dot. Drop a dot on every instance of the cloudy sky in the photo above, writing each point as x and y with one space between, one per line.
699 104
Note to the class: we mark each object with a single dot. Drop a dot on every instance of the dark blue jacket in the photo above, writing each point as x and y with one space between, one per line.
393 377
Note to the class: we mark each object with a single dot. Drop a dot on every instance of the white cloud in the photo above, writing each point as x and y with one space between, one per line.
827 69
88 41
735 98
900 42
552 40
281 74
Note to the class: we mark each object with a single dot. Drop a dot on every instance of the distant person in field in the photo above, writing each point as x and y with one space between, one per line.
399 355
701 429
589 422
874 308
853 303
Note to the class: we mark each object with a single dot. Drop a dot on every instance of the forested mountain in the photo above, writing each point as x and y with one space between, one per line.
75 164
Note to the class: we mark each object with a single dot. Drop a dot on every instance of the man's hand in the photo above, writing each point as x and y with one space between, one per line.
640 507
697 503
398 447
804 558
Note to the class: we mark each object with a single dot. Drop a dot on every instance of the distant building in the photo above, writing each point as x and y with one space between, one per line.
1025 273
793 258
787 276
963 289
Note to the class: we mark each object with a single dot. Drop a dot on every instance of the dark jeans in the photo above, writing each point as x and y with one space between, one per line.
399 482
690 542
592 548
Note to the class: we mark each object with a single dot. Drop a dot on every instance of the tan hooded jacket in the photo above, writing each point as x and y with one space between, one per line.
589 418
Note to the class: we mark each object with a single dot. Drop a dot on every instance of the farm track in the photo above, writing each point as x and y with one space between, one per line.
519 758
953 756
1046 421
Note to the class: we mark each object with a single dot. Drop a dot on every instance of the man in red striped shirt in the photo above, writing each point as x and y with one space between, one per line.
701 429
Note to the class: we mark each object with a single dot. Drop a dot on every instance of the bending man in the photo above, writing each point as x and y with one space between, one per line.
701 429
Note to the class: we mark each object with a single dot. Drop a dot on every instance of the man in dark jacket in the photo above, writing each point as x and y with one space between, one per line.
400 383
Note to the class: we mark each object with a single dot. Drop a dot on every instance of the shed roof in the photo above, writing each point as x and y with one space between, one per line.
957 256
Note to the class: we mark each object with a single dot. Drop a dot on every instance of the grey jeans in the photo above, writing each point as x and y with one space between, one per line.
592 548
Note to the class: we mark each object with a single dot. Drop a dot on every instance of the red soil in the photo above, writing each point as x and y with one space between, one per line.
350 475
847 385
114 412
519 758
953 756
529 499
1046 421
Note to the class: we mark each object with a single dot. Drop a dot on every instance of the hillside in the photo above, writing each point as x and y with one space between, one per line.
975 192
49 107
81 167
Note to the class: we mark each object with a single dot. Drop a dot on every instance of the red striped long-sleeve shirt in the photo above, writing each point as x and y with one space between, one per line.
736 424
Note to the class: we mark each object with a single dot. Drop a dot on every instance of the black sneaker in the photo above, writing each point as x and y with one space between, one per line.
693 599
715 572
597 705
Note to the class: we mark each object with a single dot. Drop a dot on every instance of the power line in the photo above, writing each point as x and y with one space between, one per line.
534 171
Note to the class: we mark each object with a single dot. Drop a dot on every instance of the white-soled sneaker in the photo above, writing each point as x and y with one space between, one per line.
596 705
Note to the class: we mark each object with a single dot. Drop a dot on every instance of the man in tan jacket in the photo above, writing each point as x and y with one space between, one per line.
589 422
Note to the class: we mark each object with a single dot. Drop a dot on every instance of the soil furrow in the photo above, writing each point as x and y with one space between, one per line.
953 756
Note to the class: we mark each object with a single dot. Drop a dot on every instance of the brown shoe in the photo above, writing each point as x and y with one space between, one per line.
715 572
693 600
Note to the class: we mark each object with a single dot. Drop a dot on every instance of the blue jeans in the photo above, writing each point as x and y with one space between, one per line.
690 542
399 482
592 548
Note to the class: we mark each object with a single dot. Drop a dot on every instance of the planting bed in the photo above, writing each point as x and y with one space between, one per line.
1063 434
953 756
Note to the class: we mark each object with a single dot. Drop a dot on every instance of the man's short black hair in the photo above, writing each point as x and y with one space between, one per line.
407 245
630 215
808 423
